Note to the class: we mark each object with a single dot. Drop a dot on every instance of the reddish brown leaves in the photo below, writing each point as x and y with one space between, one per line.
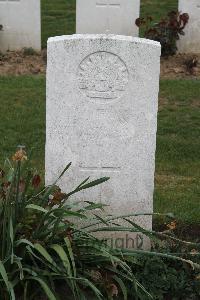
57 198
36 181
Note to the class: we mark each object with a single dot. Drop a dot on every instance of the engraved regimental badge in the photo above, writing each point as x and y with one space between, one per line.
102 75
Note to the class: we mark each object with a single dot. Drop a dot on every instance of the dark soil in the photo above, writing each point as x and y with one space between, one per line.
22 63
181 66
28 62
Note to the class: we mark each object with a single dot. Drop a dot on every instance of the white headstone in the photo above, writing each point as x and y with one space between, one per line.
21 24
102 102
190 43
107 16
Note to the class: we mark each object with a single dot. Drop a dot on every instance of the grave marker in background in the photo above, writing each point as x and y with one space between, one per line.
190 43
102 102
21 22
107 16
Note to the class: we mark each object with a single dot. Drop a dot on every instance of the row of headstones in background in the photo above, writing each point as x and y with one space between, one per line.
118 17
21 20
191 41
102 102
107 16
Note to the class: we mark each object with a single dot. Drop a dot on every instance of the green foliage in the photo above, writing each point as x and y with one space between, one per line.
166 280
167 31
42 250
41 247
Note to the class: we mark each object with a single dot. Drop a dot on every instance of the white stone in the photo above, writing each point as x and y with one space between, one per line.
21 24
190 43
107 16
102 102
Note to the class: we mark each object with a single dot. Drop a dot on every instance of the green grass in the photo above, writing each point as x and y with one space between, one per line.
58 16
178 150
23 116
177 159
157 8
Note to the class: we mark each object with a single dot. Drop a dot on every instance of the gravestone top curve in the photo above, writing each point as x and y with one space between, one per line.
103 37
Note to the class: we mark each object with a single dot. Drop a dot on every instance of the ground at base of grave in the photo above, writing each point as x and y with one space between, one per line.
177 185
29 62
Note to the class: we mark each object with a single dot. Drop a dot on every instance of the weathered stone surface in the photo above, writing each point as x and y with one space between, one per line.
102 101
21 24
107 16
190 43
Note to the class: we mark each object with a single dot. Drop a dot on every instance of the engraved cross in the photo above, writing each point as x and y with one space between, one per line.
108 5
100 170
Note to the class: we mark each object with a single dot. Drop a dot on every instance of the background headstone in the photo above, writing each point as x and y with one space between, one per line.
21 22
102 102
107 16
190 43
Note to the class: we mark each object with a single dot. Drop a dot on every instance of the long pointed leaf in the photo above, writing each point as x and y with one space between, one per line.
69 248
122 286
37 207
43 252
45 287
63 256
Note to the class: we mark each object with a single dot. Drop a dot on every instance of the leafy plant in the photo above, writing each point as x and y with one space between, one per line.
167 31
165 279
47 244
40 245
